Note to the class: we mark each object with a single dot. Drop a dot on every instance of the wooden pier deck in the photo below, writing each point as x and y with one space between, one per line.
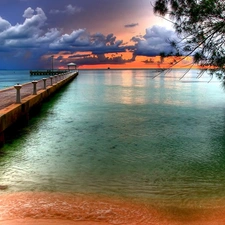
11 111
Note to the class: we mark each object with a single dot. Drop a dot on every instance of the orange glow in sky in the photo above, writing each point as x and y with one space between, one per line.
139 62
146 63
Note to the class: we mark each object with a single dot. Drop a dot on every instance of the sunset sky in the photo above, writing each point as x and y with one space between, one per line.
90 33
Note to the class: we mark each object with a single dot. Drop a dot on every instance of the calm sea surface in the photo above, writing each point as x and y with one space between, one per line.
123 135
9 78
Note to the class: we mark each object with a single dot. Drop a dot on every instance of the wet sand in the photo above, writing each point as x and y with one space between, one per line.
49 222
68 209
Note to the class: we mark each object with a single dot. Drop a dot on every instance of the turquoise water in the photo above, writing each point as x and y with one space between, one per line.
121 133
9 78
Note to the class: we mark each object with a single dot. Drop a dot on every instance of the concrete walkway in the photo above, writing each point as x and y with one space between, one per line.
8 95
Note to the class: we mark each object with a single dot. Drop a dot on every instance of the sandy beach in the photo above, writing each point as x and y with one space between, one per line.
68 209
49 222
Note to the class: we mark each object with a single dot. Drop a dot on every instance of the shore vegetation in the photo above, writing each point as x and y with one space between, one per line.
200 25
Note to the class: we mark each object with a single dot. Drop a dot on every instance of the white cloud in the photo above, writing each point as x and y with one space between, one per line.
73 36
50 36
69 9
28 13
4 24
67 41
30 28
72 9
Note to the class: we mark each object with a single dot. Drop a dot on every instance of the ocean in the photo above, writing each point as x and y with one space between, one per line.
119 147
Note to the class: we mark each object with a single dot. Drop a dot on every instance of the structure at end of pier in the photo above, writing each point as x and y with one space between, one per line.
71 67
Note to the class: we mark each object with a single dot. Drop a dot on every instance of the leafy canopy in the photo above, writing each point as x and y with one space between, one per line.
200 24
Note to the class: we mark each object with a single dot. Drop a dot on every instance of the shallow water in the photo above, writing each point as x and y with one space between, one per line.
130 138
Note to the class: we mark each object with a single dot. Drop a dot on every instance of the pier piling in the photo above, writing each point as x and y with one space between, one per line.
34 82
56 78
2 139
44 80
18 96
51 77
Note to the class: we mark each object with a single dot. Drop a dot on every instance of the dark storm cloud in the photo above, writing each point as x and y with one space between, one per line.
102 59
81 40
154 42
131 25
79 56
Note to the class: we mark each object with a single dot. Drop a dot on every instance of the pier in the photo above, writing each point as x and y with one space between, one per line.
17 102
52 71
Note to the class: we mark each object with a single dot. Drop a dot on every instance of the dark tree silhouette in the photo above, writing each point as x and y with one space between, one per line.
200 25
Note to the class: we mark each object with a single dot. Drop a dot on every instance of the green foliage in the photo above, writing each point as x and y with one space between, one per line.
200 24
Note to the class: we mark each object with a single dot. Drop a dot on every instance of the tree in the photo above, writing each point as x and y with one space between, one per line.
200 25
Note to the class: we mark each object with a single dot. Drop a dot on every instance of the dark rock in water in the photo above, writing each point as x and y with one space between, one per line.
3 187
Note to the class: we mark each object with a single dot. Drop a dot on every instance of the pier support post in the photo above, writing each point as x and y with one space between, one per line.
56 78
51 77
44 80
34 82
18 97
2 139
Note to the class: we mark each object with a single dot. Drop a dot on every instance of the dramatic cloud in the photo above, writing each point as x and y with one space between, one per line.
32 39
31 42
23 35
155 41
81 40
